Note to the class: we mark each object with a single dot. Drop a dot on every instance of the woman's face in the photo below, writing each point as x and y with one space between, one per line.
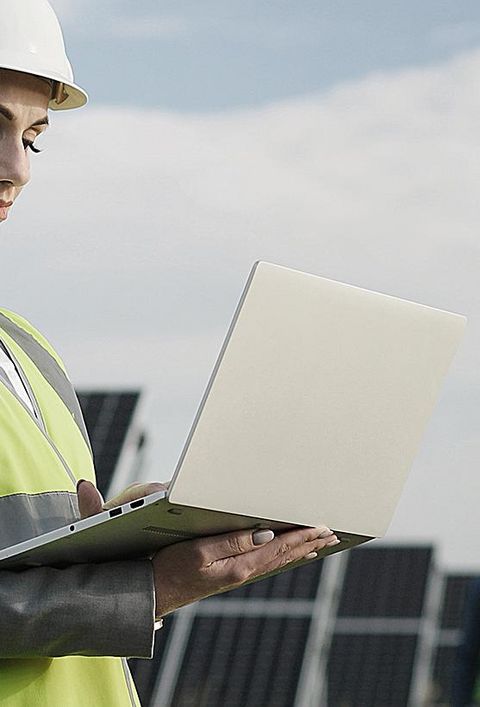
23 117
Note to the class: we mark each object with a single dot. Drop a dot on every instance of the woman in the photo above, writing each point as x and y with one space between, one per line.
65 634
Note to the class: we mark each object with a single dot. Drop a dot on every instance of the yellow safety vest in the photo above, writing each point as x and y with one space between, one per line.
37 458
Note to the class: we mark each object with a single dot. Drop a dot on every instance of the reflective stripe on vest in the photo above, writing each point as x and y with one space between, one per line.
49 368
40 461
25 515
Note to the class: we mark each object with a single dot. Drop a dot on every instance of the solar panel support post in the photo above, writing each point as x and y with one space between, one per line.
164 690
312 688
428 637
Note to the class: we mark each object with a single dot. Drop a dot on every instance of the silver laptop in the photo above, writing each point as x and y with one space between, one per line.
313 414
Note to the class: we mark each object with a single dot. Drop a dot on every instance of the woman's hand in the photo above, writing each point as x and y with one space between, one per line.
194 569
90 501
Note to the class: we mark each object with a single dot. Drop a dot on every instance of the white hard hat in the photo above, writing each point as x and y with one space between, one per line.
31 41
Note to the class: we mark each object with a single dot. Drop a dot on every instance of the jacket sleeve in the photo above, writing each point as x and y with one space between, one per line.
91 609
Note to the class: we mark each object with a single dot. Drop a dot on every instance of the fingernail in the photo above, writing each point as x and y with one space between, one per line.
311 556
325 533
260 537
333 542
79 482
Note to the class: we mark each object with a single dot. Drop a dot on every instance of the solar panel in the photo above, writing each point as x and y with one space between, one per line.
385 582
299 583
451 623
454 601
242 662
107 417
443 674
370 669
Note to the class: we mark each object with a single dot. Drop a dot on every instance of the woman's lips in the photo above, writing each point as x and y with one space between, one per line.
4 206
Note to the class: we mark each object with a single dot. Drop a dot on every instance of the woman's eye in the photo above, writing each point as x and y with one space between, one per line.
29 144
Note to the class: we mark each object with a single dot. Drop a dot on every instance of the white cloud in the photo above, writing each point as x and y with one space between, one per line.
140 227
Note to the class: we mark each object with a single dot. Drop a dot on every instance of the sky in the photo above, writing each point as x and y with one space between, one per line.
340 138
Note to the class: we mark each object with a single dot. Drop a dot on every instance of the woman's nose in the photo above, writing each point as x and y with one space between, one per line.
14 165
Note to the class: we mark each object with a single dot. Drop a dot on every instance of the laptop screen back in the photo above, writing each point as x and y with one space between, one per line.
317 404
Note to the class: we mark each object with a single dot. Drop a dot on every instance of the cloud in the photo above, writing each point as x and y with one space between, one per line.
140 226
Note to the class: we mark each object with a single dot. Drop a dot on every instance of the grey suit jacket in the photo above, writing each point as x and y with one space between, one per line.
92 610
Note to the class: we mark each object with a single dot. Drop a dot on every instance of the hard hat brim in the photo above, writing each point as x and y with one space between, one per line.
75 96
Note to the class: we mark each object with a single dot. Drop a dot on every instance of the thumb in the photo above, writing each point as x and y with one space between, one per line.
90 501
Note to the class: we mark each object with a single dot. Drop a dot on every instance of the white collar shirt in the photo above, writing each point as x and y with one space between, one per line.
9 371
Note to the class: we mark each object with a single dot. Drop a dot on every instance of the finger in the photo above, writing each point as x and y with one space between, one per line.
219 547
133 492
288 548
284 549
89 499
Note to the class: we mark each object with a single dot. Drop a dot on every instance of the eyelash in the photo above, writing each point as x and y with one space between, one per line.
27 144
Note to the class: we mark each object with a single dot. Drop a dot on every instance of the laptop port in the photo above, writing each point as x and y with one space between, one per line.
115 512
137 504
